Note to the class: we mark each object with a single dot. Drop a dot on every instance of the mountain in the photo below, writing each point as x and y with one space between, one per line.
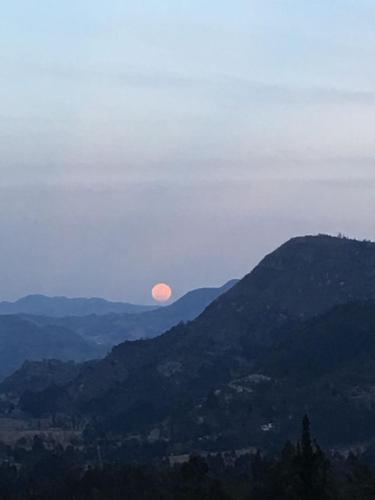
113 329
258 357
91 335
22 340
38 375
190 305
64 306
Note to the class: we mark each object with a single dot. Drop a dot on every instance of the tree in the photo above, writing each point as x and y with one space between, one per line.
312 467
301 472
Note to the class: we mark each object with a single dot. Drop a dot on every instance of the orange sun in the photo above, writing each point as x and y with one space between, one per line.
161 292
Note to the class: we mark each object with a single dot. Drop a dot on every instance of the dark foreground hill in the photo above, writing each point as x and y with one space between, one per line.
64 306
112 329
296 334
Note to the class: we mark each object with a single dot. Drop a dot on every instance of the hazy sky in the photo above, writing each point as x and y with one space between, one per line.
178 140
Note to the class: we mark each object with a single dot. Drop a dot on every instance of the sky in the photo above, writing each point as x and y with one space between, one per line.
178 141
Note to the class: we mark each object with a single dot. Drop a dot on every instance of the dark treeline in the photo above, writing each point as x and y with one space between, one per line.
300 472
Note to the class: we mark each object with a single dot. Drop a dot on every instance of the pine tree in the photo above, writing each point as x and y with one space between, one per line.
312 467
306 443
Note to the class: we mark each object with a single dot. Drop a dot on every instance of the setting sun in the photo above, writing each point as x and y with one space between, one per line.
161 292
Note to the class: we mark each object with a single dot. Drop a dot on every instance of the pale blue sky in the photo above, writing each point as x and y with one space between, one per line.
178 140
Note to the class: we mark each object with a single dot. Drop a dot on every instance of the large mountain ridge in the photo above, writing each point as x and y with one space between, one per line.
231 357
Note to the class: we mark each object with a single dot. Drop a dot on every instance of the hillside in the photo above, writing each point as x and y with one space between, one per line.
233 371
22 340
38 375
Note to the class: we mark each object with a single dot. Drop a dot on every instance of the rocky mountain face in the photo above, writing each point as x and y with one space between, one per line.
274 346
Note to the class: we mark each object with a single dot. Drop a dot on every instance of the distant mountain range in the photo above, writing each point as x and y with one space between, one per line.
112 329
295 335
78 338
63 306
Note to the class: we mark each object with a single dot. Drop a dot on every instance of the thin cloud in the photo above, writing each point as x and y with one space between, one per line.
158 80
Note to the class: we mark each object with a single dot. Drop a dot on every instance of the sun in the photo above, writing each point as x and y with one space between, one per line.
161 292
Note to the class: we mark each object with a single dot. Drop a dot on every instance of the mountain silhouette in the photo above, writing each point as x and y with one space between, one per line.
111 329
242 366
64 306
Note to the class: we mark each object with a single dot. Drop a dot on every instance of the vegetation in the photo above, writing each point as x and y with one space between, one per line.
300 472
